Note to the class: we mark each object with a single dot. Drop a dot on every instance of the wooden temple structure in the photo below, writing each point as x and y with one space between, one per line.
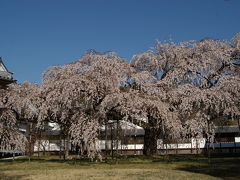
5 76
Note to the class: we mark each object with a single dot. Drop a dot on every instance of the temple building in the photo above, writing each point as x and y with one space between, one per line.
5 76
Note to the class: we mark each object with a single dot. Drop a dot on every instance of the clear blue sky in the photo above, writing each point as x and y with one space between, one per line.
35 34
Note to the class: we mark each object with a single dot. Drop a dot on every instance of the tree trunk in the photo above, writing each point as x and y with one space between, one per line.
66 147
29 137
111 140
60 146
150 142
106 140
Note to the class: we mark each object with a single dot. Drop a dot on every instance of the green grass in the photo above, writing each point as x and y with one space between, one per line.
136 168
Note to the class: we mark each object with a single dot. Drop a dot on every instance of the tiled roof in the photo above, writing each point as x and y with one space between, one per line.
227 129
5 76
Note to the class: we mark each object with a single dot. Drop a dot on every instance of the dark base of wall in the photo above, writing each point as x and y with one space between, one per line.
160 152
7 155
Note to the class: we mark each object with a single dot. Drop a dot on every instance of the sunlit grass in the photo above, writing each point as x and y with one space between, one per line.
162 167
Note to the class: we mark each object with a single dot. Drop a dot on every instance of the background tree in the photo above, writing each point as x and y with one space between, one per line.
19 106
73 92
200 80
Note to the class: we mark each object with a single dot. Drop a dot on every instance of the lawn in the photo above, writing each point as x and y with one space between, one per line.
162 167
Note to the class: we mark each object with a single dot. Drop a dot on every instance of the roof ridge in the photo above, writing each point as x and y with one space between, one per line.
1 61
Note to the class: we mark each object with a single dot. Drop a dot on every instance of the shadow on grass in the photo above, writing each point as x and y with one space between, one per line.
179 158
223 166
42 160
218 167
7 177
